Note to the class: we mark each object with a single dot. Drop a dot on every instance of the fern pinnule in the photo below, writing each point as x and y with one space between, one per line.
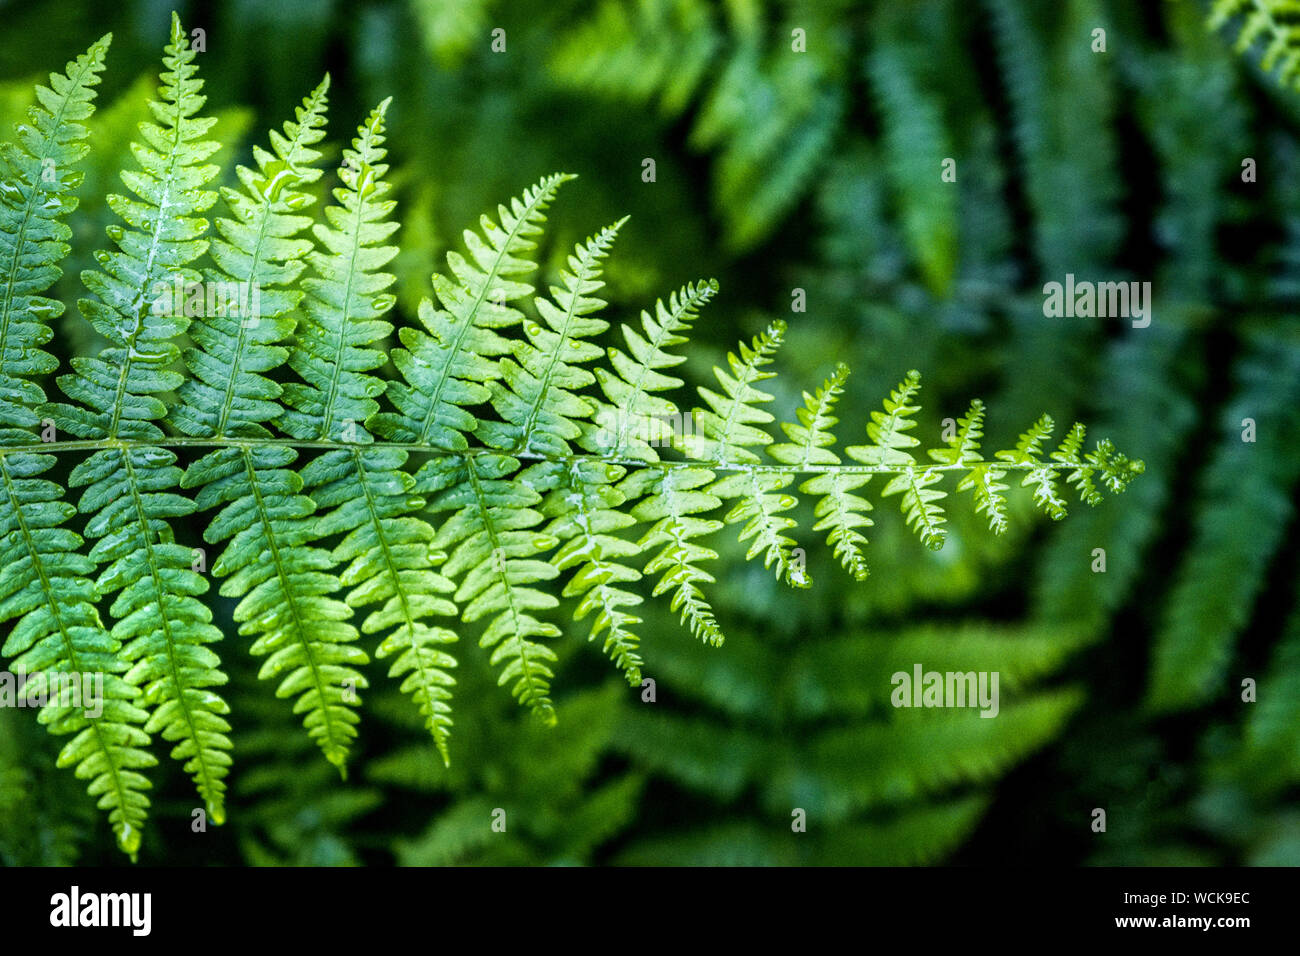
841 512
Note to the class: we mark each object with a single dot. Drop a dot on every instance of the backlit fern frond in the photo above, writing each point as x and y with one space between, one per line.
1273 24
130 493
45 586
446 365
841 512
38 173
512 449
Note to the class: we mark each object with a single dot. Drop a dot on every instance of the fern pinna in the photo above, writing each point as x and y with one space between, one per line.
510 449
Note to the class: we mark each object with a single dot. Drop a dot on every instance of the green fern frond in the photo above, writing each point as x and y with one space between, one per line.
915 148
586 507
38 173
535 395
45 582
635 421
494 543
1274 24
368 493
539 454
447 365
671 502
840 511
1248 492
129 495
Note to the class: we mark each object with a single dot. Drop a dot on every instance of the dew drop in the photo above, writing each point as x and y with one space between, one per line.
382 303
115 232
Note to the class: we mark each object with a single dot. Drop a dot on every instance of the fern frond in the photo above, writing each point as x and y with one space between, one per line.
586 506
726 432
1274 24
446 366
345 300
368 491
672 500
886 429
388 548
878 765
494 543
44 584
129 497
726 429
260 255
915 143
655 50
38 173
1248 495
635 421
535 395
840 511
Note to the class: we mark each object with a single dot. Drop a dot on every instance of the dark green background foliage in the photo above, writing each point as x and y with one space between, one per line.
818 171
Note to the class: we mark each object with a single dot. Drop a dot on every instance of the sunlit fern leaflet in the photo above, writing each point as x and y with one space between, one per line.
417 507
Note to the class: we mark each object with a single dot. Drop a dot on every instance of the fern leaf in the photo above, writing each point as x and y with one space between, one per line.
671 501
44 584
958 746
635 421
915 142
345 300
283 583
1248 492
370 492
128 497
726 428
726 432
887 429
446 365
493 543
38 173
840 511
1272 24
535 395
1041 477
260 257
586 507
388 548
